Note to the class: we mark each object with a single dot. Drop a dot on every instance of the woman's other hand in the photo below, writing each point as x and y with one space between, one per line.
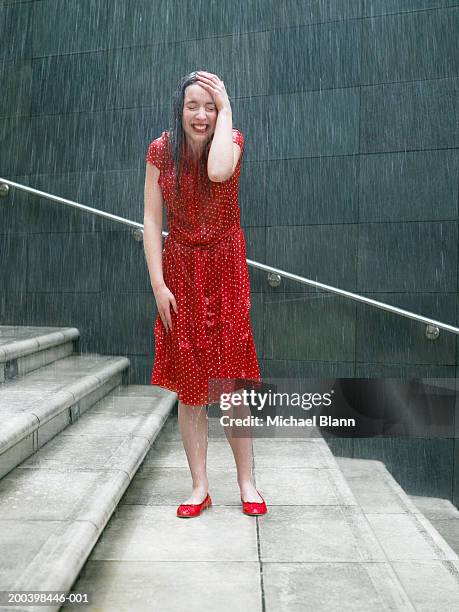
164 298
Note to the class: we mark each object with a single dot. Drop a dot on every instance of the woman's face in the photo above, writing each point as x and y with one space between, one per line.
198 110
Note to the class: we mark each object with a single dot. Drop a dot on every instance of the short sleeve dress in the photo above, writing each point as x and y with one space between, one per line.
210 346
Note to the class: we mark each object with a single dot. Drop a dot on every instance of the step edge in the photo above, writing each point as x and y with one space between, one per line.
25 425
21 348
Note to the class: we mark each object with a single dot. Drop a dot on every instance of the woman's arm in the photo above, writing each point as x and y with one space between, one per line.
153 225
153 240
223 154
220 163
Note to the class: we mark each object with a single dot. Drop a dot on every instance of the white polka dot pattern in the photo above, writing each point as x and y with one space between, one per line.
204 265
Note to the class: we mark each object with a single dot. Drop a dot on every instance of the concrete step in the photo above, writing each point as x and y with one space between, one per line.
426 565
315 550
35 407
24 349
443 515
55 505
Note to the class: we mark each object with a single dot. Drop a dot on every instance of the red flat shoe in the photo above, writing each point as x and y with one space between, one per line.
190 510
254 508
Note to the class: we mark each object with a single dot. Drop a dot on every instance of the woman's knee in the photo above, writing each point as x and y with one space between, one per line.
192 411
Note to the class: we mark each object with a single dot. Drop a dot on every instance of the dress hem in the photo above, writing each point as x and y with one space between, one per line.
170 387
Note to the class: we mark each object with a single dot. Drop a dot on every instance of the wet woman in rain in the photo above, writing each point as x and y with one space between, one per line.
200 280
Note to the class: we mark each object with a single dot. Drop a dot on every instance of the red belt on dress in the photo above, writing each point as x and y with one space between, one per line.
203 316
180 238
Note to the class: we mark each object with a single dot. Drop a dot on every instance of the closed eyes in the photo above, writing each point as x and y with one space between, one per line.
194 107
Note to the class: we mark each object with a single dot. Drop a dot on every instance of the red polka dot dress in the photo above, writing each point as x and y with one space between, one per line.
204 266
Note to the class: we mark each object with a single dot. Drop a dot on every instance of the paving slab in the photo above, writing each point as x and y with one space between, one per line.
154 533
176 586
408 536
164 486
318 533
332 587
170 453
432 586
23 540
304 487
311 452
48 494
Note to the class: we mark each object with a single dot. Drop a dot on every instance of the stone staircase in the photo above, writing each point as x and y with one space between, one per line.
72 436
426 564
93 471
337 537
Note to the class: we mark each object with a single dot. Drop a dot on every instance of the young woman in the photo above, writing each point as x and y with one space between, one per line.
200 280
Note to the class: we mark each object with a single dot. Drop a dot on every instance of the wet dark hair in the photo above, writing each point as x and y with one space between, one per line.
177 140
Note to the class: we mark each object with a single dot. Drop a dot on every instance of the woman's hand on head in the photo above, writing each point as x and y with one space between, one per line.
211 83
164 298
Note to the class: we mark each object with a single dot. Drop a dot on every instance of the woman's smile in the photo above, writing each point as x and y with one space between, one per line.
199 113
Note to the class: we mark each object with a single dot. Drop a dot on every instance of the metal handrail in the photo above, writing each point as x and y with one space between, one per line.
255 264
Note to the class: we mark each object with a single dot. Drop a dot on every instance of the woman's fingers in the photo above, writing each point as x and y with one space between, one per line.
208 75
166 322
164 302
166 315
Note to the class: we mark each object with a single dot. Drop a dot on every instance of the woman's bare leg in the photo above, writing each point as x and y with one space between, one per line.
193 426
241 445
